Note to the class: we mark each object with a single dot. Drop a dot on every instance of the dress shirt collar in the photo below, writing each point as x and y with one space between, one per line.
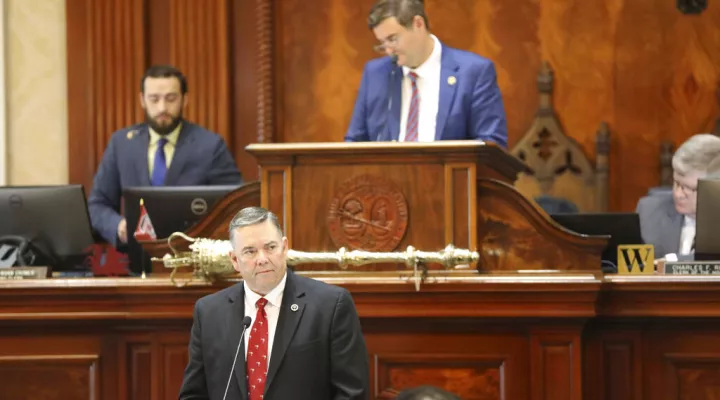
274 298
433 62
171 137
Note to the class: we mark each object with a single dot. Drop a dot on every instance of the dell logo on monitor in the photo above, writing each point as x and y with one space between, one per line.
15 201
198 206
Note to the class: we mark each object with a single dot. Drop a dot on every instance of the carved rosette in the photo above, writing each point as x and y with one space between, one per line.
368 213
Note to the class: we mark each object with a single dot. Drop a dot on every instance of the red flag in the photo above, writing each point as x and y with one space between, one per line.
144 230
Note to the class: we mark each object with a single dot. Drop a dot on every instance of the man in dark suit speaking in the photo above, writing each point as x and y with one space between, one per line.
304 341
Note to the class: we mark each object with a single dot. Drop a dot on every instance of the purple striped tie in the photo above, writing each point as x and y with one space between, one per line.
411 133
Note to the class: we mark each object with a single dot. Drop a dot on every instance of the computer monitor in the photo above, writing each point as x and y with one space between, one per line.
623 228
707 217
55 218
171 209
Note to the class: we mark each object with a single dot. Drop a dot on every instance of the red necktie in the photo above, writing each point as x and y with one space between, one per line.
257 354
411 133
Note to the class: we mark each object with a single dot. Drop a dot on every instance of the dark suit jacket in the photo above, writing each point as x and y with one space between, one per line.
660 223
200 158
470 108
318 353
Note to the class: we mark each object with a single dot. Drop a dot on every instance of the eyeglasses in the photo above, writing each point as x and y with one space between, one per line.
687 190
391 42
251 253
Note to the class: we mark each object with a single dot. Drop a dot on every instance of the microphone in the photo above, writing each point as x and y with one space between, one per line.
246 323
394 59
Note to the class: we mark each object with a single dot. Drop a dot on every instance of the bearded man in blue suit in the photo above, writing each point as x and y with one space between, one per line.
423 90
165 150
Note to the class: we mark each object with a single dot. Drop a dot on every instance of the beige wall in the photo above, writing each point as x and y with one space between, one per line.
36 92
3 125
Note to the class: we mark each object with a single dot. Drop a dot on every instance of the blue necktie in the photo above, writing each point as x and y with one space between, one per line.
160 165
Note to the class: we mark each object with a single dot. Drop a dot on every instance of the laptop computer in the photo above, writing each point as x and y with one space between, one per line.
623 228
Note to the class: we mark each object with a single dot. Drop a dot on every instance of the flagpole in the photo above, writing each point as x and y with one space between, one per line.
144 231
143 276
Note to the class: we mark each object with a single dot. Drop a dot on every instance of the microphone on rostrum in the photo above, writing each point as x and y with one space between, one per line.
386 131
246 323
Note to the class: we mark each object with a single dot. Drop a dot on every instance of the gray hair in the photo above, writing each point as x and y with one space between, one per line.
696 154
713 169
252 216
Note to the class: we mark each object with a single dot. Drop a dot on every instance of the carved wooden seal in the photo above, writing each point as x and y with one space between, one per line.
368 213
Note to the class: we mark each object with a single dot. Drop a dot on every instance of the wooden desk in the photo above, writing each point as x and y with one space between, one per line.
504 336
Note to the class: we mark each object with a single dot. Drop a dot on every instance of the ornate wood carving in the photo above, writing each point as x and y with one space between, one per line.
65 376
264 18
368 212
513 233
558 166
602 167
666 169
507 336
464 187
436 180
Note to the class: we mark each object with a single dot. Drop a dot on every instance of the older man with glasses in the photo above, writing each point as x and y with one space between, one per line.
423 90
667 220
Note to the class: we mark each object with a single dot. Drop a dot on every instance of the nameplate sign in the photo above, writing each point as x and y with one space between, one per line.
23 273
636 259
692 268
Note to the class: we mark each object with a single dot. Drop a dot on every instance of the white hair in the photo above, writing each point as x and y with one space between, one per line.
713 169
696 154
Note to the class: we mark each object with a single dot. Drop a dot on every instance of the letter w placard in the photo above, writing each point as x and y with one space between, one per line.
636 259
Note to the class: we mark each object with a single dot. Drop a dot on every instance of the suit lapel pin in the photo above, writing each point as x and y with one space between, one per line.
131 134
294 307
452 80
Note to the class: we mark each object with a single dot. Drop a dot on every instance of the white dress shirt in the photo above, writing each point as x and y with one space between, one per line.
428 83
272 310
687 235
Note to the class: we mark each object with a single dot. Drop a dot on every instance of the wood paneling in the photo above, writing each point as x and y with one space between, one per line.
111 44
513 336
642 66
368 196
56 377
556 372
470 377
106 60
139 370
194 37
269 70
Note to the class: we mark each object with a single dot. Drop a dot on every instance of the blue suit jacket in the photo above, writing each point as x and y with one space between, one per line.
471 108
200 158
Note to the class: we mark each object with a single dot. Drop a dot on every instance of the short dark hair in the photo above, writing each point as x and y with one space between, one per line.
426 392
164 71
403 10
252 216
